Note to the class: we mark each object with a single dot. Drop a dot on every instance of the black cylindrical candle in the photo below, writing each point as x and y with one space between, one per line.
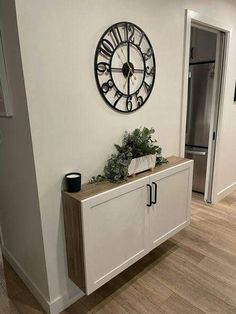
73 182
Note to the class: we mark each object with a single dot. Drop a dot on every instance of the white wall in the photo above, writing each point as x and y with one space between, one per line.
72 127
19 205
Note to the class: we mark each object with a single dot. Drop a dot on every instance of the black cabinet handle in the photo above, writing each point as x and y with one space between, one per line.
150 195
155 192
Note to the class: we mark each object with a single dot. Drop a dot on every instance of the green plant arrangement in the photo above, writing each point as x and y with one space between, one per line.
135 144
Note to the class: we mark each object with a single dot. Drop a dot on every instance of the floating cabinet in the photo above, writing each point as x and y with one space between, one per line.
108 227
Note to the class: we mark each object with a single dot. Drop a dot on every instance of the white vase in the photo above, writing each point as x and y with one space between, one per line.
141 164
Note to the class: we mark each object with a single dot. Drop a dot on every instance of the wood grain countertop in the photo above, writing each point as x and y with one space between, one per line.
88 190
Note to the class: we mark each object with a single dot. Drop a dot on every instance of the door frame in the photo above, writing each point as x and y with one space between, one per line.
192 17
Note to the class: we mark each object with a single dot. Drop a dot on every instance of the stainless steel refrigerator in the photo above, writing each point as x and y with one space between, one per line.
198 120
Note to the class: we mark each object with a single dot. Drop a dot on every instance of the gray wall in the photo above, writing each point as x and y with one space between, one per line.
19 206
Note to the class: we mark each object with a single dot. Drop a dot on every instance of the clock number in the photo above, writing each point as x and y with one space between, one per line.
147 87
119 95
141 38
129 104
139 99
106 87
149 71
103 67
131 36
125 28
116 36
106 49
147 55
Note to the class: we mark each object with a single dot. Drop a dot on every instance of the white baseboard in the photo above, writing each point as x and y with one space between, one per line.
223 193
26 279
62 302
55 306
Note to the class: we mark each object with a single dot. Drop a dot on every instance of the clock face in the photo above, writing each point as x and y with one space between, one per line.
125 67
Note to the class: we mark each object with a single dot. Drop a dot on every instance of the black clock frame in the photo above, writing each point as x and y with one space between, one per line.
110 83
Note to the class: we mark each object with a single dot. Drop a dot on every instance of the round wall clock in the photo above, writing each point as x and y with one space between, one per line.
125 67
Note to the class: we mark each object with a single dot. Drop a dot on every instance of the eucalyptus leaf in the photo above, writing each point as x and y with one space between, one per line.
136 144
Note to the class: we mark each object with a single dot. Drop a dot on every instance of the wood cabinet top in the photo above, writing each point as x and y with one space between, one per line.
88 190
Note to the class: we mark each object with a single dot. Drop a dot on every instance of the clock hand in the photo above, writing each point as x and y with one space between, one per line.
129 65
126 80
120 58
124 62
129 77
128 62
130 69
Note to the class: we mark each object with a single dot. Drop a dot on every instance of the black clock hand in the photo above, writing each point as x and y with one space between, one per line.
128 56
128 52
126 80
124 62
128 88
128 61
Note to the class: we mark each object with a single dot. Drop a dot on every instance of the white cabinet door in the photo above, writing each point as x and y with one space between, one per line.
115 231
171 212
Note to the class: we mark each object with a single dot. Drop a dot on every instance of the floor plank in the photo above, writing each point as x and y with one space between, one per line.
221 271
193 272
178 305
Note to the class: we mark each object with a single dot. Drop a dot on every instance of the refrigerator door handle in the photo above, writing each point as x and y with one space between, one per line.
195 152
189 99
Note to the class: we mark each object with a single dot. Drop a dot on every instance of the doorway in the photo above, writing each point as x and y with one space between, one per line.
203 88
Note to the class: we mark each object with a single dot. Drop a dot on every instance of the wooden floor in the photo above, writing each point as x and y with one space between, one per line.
194 272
